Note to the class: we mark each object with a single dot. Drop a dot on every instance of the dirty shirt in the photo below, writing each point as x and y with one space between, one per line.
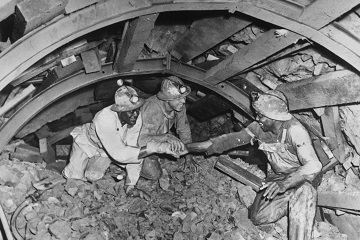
106 136
157 121
289 151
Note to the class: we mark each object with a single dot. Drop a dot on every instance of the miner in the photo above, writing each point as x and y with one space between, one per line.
112 136
160 113
293 164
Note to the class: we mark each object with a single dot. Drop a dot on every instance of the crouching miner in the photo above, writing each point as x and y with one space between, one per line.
293 164
160 113
113 135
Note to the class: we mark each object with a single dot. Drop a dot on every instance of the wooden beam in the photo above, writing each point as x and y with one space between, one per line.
321 12
339 200
7 7
334 88
133 42
204 34
60 72
47 151
55 58
239 173
332 129
91 60
30 14
260 49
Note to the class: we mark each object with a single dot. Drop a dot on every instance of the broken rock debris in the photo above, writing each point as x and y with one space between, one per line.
184 205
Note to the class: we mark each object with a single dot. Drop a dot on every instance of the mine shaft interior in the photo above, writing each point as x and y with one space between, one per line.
60 65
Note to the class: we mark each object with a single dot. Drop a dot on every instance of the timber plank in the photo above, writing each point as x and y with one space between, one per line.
7 7
54 58
260 49
133 42
339 200
239 173
332 129
334 88
204 34
47 151
30 14
60 72
91 60
321 12
33 158
74 5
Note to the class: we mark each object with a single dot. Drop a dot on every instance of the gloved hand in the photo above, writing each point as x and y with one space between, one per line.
216 146
165 147
176 144
225 142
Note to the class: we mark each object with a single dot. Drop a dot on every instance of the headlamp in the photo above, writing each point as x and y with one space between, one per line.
133 98
182 89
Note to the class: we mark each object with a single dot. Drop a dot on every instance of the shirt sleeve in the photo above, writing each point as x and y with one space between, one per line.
111 139
183 127
152 119
301 142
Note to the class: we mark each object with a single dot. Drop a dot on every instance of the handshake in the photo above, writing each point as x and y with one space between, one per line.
165 147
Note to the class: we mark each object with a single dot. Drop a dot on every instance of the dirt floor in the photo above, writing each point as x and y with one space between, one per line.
184 206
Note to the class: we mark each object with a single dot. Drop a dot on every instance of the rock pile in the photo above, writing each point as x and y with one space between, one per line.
184 205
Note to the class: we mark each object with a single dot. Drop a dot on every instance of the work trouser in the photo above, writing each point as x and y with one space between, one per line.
299 203
92 168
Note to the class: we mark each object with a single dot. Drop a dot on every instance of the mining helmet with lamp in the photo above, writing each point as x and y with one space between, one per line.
126 98
272 104
172 88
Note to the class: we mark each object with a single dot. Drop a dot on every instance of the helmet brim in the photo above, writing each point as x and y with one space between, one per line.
117 108
160 95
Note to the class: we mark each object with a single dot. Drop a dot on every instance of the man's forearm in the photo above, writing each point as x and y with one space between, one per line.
228 141
293 180
144 139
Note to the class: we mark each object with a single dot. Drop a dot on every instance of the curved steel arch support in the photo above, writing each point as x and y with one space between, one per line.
80 80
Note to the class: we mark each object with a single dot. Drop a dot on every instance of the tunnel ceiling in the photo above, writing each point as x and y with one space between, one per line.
223 49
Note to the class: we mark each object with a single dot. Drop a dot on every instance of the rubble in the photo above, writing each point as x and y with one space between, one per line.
184 205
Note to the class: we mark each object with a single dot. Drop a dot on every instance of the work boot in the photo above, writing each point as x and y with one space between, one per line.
151 168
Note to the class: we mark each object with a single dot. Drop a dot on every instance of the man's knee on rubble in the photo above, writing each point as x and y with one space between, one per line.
295 202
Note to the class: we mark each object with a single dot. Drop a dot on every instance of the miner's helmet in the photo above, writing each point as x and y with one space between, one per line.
172 88
126 98
272 104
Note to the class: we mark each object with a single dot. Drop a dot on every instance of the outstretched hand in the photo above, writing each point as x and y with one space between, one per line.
176 144
166 148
